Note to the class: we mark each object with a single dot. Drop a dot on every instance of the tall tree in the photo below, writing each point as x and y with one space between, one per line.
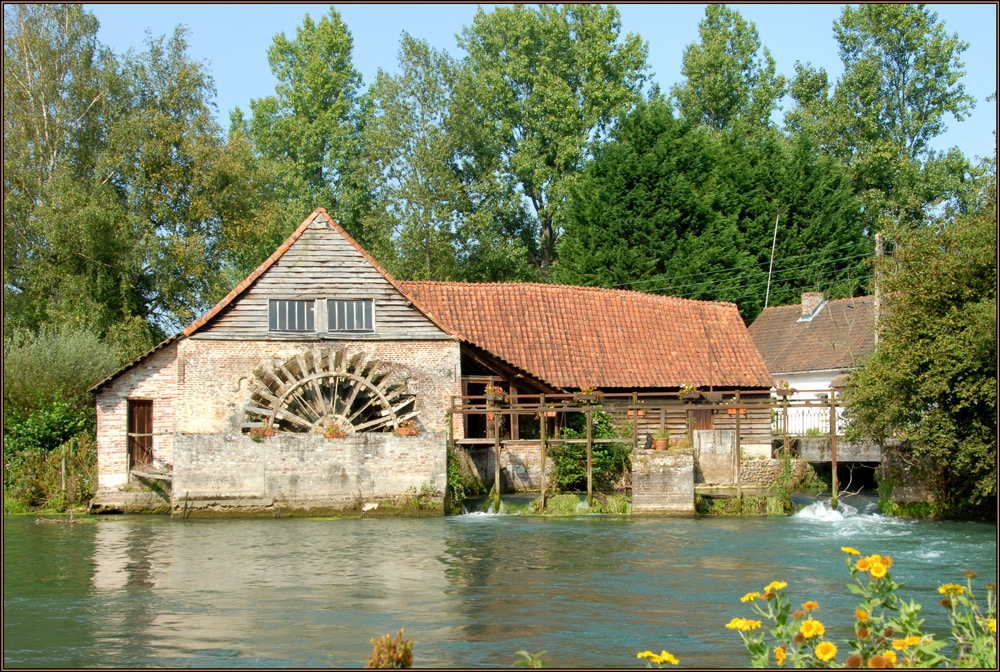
309 128
543 84
669 206
933 378
729 75
406 144
902 79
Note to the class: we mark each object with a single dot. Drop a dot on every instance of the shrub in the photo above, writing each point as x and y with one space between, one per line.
610 460
54 365
391 652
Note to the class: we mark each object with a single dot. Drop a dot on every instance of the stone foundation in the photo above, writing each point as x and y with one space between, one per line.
306 473
764 474
662 482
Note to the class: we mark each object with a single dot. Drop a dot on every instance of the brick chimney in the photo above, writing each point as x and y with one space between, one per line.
810 302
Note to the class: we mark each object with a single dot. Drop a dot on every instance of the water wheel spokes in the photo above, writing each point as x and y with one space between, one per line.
314 389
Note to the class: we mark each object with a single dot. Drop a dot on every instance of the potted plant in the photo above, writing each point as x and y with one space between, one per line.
639 412
588 393
407 428
661 440
688 391
495 393
783 389
334 431
258 434
680 444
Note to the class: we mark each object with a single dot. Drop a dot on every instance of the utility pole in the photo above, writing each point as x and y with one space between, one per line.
879 254
770 268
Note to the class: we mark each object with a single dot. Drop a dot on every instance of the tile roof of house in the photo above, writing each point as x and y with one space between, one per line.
839 335
575 336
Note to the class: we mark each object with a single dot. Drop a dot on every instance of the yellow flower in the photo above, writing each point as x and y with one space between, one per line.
861 615
667 657
750 597
849 550
950 588
810 606
875 557
811 628
991 624
743 624
825 651
887 561
646 654
862 565
775 585
878 570
890 656
779 654
899 644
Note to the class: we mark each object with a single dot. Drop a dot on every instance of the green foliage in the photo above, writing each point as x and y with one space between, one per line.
932 379
53 366
390 652
667 207
902 78
541 84
608 460
729 75
532 660
33 475
462 485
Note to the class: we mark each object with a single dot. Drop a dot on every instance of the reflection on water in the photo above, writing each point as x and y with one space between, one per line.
470 590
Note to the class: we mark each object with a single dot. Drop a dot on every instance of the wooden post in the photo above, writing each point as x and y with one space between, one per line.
544 426
515 430
63 471
739 453
784 429
590 461
833 447
496 457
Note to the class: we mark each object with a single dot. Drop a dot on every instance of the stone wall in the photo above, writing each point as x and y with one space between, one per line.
302 472
520 466
764 474
662 481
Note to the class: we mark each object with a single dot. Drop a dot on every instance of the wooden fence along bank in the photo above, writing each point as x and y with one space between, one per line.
517 433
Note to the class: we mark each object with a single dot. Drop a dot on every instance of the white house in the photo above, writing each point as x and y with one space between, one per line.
812 347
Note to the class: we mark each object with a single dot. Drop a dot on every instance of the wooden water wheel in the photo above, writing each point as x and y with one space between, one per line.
320 387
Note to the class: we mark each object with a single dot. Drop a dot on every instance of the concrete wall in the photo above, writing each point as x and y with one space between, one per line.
303 471
713 455
662 481
520 466
817 449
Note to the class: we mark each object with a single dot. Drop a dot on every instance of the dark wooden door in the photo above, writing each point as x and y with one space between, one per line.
140 432
702 419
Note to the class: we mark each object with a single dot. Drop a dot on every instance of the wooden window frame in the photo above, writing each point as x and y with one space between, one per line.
332 315
274 307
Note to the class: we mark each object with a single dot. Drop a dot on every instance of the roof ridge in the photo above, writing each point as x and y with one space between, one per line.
549 285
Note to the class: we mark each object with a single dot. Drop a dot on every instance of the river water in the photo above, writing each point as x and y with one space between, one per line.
470 590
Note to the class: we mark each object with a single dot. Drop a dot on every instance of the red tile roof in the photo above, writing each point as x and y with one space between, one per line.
575 336
840 334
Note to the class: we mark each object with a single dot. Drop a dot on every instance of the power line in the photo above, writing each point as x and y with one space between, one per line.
735 268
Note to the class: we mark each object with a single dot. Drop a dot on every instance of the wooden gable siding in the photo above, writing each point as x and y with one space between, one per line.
321 264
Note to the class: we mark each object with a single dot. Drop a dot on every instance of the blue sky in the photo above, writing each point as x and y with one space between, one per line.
233 40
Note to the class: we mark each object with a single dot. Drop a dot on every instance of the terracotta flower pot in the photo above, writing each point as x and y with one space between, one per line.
661 444
641 413
407 431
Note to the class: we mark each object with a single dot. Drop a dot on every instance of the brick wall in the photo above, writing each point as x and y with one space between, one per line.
662 481
215 376
155 379
304 471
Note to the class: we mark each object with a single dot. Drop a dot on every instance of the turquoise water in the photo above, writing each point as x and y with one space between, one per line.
470 590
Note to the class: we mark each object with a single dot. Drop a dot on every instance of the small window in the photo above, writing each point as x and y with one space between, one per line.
353 316
284 315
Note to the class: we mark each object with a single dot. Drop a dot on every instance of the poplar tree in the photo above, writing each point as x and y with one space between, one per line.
544 84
